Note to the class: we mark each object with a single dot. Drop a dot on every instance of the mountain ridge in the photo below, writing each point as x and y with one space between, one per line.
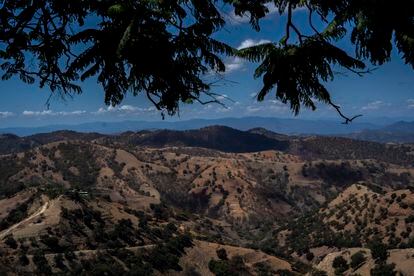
281 125
227 139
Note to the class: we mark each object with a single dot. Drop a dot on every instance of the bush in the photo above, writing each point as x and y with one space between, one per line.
340 264
284 272
357 259
59 261
222 254
233 267
378 250
10 241
163 260
52 242
219 268
318 273
23 260
263 269
42 264
160 211
310 256
383 270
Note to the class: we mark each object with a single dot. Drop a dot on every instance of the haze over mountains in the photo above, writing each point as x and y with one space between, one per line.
396 132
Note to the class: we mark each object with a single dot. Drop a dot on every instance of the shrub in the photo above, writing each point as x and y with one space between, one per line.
378 250
52 242
357 259
233 267
10 241
59 261
318 273
284 272
383 270
222 254
23 260
41 263
310 256
340 264
219 268
263 269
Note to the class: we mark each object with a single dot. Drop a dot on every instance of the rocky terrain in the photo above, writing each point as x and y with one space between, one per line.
211 202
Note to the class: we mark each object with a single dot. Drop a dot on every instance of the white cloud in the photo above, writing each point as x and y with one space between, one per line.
251 42
222 97
254 109
374 105
128 108
6 114
224 109
123 109
77 112
237 64
410 103
52 113
271 107
234 19
37 113
101 110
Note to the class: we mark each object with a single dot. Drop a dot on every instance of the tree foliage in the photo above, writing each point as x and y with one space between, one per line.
166 49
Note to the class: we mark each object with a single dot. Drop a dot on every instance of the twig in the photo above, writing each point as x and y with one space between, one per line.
347 119
289 19
310 18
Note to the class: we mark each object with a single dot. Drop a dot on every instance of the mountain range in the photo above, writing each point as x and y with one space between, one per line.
399 132
209 201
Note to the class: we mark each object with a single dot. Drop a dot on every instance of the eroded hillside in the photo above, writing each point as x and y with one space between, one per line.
95 206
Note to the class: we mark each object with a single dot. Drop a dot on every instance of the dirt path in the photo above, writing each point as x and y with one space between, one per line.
132 248
40 211
94 251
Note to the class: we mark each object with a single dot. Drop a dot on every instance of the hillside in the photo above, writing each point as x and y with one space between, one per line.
10 143
229 140
400 132
214 137
344 148
135 203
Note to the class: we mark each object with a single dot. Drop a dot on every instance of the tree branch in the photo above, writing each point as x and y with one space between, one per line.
347 119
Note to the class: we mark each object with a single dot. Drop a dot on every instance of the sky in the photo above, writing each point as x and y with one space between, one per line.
385 94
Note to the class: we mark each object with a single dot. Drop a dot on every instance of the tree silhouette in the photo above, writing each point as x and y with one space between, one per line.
165 48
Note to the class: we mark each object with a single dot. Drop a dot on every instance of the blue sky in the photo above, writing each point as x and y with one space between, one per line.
386 93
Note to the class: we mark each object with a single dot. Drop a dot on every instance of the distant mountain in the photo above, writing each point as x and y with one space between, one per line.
227 139
62 135
284 126
214 137
400 132
333 148
402 126
337 148
270 134
10 143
